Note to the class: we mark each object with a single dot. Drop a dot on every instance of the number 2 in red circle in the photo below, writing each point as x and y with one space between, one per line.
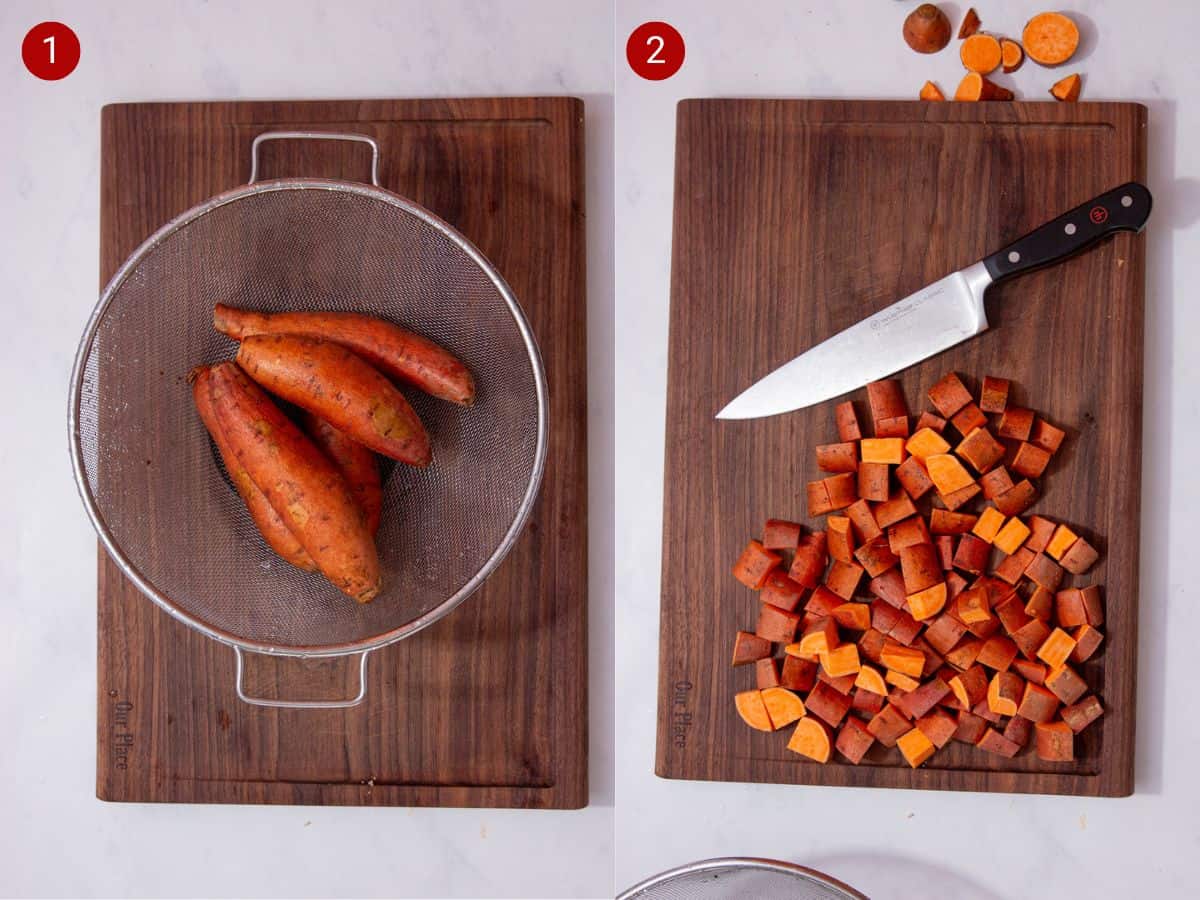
50 51
655 51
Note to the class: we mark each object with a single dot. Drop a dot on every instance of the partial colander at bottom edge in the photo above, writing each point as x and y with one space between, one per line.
146 469
741 878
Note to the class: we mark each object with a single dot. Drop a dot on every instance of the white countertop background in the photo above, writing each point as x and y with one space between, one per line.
914 844
56 839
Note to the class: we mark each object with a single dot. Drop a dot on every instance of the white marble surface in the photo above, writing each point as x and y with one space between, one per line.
56 839
898 844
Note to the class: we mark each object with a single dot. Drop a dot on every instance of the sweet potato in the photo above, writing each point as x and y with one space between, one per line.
842 661
980 449
766 673
872 481
753 711
330 381
931 92
754 565
889 587
913 478
866 529
1050 38
847 422
853 740
827 704
811 739
990 521
1004 693
876 557
926 29
1016 499
1066 684
302 485
798 674
907 532
777 625
993 396
1046 435
994 742
749 648
780 534
915 747
356 463
853 616
1079 715
997 652
1031 460
995 482
1010 538
958 498
981 53
783 707
1016 423
398 352
1037 704
892 427
841 457
947 473
1011 57
969 727
887 725
1081 557
970 24
928 602
1055 742
896 508
943 521
273 529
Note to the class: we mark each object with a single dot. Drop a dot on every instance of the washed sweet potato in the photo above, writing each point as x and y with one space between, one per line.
915 747
811 739
330 381
783 707
398 352
750 707
269 523
1055 742
755 564
1050 38
926 29
780 534
1079 715
356 463
853 740
302 485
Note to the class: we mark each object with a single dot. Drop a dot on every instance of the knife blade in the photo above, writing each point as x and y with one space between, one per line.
935 318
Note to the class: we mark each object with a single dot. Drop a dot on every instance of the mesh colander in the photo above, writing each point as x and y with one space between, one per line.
155 489
741 878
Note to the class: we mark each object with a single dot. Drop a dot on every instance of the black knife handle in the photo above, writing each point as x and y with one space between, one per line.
1125 208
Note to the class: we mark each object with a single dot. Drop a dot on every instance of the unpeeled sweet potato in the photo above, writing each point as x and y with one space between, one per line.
356 463
302 485
273 529
330 381
400 353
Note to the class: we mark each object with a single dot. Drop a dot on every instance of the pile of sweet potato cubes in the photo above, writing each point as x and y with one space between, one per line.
969 633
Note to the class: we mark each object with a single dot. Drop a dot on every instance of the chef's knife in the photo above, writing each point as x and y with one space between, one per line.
936 317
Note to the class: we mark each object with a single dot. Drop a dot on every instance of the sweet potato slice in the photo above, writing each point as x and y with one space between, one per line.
869 679
811 739
269 523
841 457
783 707
1050 38
928 602
847 422
330 381
753 710
396 351
981 53
302 485
1011 57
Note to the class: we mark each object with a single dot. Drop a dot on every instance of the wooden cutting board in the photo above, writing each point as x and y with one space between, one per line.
795 219
487 707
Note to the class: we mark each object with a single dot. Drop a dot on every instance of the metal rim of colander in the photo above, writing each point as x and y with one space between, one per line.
246 192
663 879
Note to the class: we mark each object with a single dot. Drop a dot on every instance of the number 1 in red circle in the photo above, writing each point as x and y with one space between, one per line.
50 51
655 51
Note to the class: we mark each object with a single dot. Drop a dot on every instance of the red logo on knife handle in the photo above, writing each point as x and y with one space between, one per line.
1099 215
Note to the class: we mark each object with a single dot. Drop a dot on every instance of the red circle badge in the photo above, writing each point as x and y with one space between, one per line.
1099 215
50 51
655 50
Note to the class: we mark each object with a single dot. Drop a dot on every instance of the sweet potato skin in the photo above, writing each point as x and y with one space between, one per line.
328 380
356 463
302 485
400 353
273 529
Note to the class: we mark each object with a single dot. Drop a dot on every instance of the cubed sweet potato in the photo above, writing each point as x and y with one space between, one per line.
1016 423
889 587
1010 610
1041 530
990 521
961 497
968 419
847 422
777 625
1092 606
827 704
906 629
963 655
870 645
903 659
886 399
865 527
915 747
854 740
753 711
1030 637
841 457
993 396
944 632
781 591
998 652
812 739
913 478
808 564
925 443
1087 642
1044 572
1068 608
1066 684
842 662
1080 715
843 578
893 426
1055 742
1037 704
822 602
819 637
766 673
1012 568
748 648
1031 460
876 556
1046 436
907 532
780 534
755 564
919 567
873 481
938 726
798 674
946 545
943 521
972 554
931 421
887 725
949 395
1031 670
980 449
1041 604
1017 498
995 482
1004 693
783 706
947 473
1018 730
1081 557
969 727
866 703
843 684
1011 536
897 507
994 742
923 698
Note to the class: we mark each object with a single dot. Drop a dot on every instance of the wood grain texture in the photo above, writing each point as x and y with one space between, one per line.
486 708
795 219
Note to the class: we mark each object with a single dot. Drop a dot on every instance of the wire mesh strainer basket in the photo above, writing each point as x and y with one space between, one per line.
741 878
155 490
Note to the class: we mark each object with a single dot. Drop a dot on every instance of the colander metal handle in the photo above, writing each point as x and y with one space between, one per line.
315 136
303 704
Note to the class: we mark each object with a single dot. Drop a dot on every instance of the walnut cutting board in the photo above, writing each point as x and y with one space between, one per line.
487 707
795 219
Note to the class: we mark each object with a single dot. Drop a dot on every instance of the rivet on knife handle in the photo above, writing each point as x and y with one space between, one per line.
1125 208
